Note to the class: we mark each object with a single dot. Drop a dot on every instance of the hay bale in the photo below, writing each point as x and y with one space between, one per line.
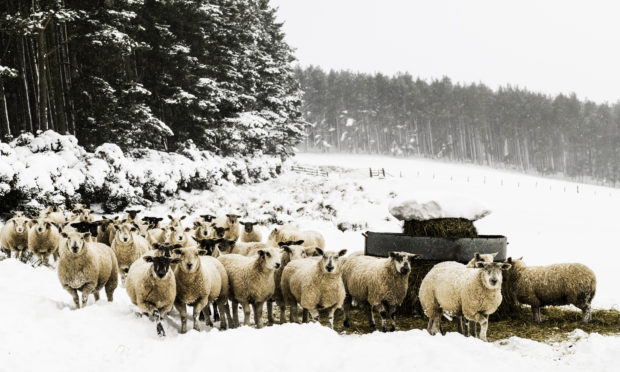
411 303
451 228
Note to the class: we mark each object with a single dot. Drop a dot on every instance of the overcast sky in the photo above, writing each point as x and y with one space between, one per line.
550 46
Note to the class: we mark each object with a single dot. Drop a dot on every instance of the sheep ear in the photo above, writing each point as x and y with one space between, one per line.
86 235
182 218
477 256
413 257
48 224
494 254
393 254
203 252
319 251
226 229
197 224
506 266
282 244
479 265
134 229
342 252
170 217
299 242
286 248
64 234
520 258
157 246
509 260
188 229
117 228
261 253
148 258
177 246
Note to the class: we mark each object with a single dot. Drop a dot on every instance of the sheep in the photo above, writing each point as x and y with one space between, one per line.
151 285
163 249
247 249
159 235
128 246
43 240
201 280
379 282
105 230
218 231
315 283
488 257
311 238
87 267
91 227
558 284
181 235
230 224
250 233
226 246
202 230
207 217
152 222
251 282
81 215
176 222
452 290
210 245
54 214
131 215
14 236
290 252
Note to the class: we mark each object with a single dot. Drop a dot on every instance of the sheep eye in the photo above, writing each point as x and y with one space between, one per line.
268 254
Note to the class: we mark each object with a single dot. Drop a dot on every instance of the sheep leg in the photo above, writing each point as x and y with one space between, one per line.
96 294
270 312
294 318
471 328
434 324
304 315
346 322
216 314
587 314
330 317
484 325
223 310
235 313
391 310
160 327
74 293
282 308
246 313
198 307
371 315
258 314
183 312
383 314
536 314
314 313
87 289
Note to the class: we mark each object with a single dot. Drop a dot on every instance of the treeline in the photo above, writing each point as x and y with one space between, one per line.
147 73
510 127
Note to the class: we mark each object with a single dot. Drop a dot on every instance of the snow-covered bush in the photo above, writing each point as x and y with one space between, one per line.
53 168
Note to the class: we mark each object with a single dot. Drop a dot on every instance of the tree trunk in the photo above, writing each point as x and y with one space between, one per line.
5 128
43 123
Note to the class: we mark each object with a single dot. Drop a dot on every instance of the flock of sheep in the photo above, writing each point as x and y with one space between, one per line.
216 265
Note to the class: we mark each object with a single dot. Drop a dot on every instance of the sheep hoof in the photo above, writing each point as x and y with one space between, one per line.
372 326
392 328
346 323
160 330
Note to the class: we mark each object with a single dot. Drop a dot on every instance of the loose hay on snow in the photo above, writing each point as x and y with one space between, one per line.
451 228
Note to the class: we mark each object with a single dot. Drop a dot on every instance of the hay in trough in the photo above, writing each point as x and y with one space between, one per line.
451 228
411 304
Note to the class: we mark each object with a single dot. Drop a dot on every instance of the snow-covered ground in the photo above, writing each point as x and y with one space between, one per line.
545 220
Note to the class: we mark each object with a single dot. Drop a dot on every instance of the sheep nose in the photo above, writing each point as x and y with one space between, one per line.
277 265
189 266
329 269
404 270
493 281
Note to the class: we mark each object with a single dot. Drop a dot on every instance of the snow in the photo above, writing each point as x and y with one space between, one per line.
425 207
543 222
45 331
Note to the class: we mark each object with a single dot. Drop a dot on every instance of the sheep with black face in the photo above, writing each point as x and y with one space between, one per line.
380 282
151 286
314 283
250 233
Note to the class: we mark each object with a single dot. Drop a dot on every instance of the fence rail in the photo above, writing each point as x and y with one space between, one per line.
310 170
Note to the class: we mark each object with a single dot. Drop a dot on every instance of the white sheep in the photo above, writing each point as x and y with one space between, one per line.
452 290
128 246
251 282
43 240
558 284
201 280
14 236
181 235
250 233
87 267
289 253
247 249
151 286
380 282
314 283
54 214
312 239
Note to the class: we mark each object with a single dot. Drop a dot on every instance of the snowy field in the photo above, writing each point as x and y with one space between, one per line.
546 221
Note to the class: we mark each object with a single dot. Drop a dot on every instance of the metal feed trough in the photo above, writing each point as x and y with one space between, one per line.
435 249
